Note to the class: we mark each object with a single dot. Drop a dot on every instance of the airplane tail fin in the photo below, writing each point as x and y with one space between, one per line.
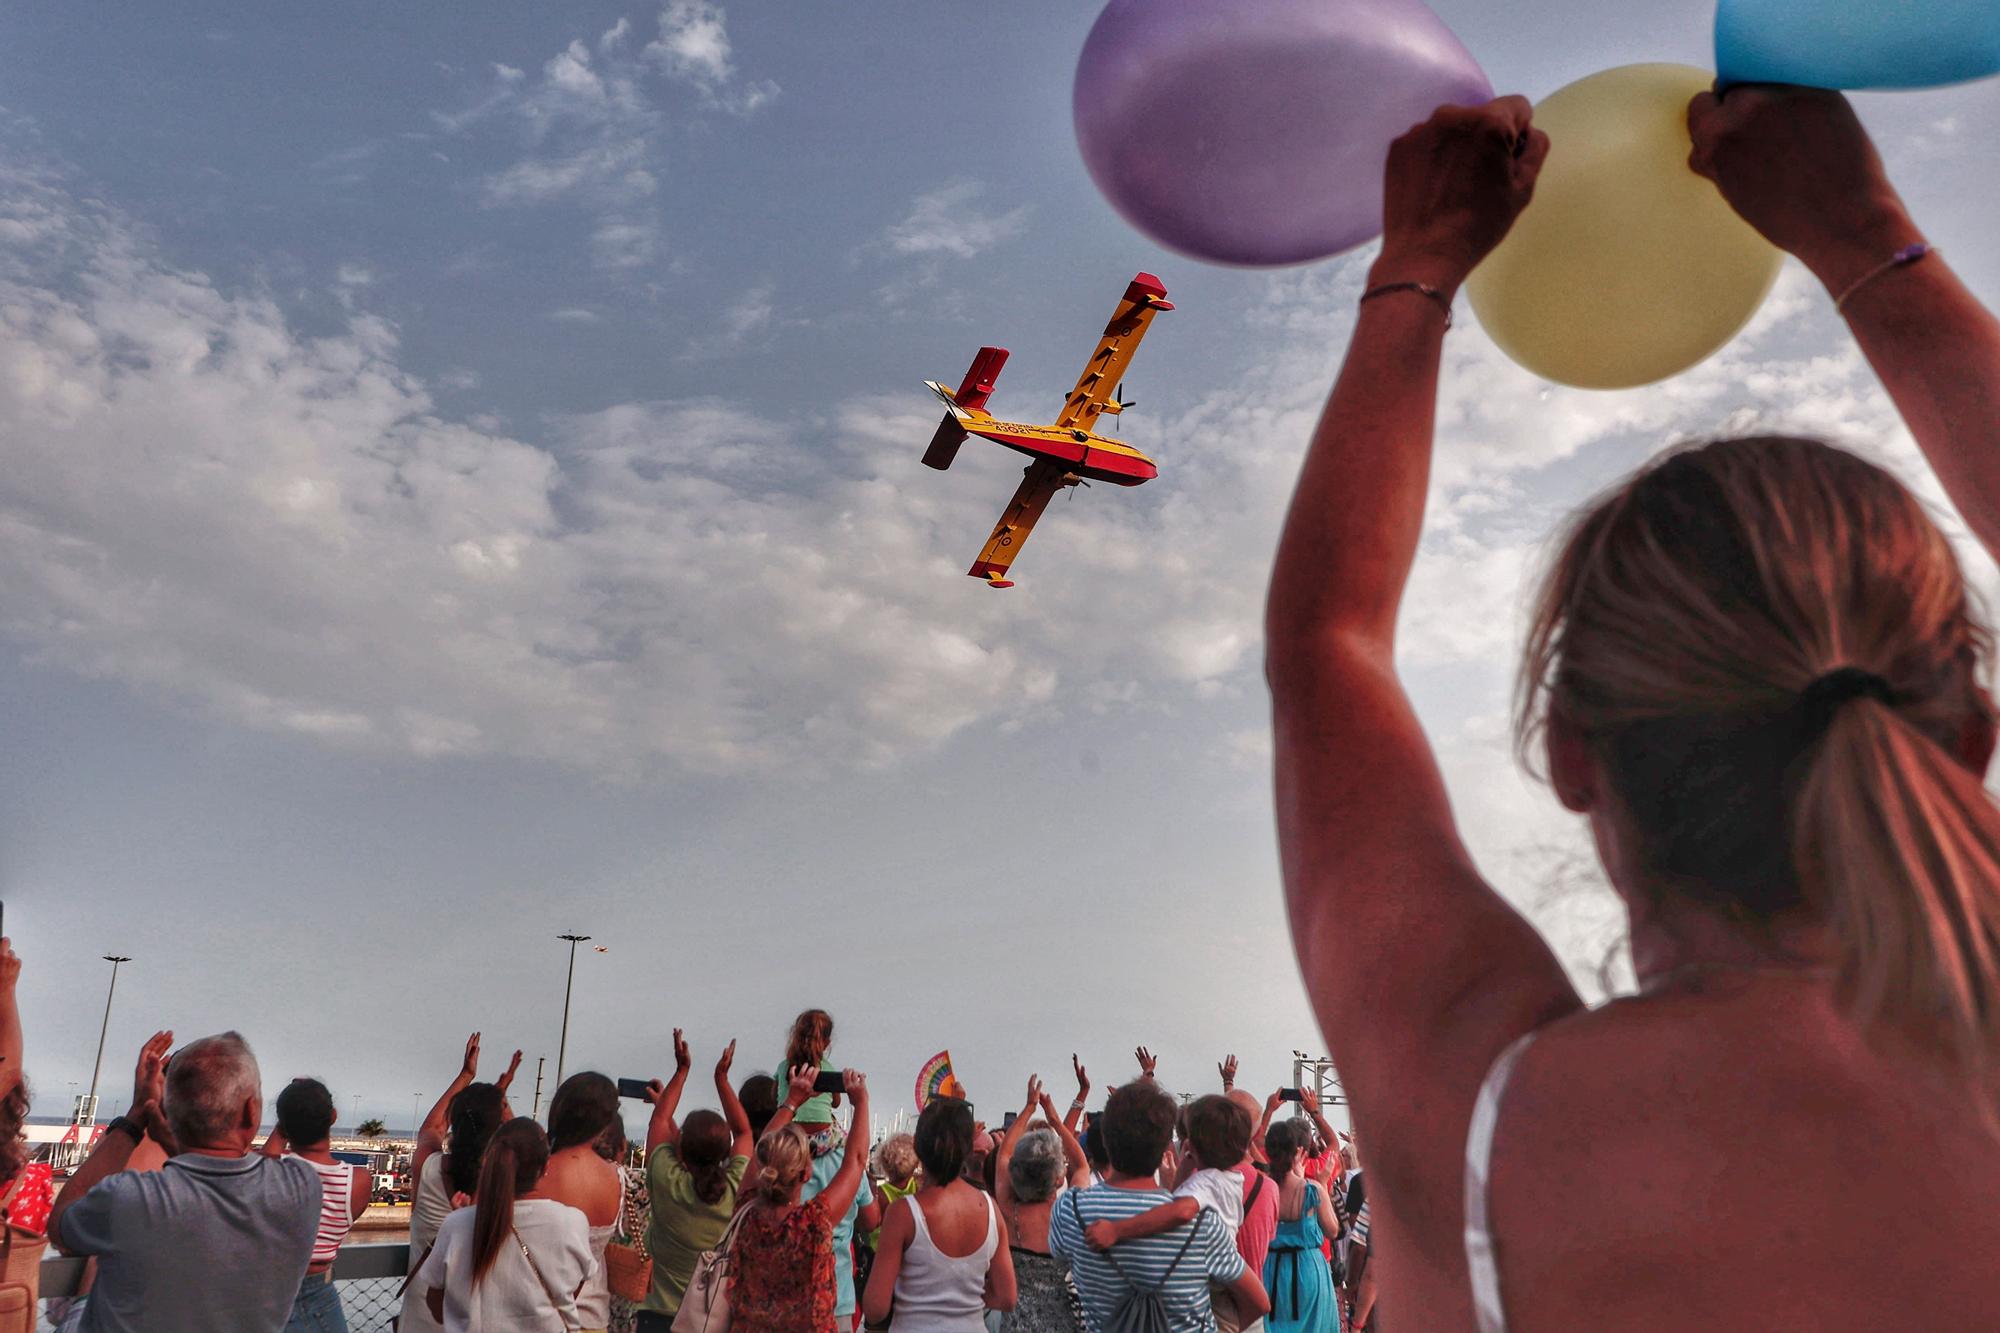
972 394
977 386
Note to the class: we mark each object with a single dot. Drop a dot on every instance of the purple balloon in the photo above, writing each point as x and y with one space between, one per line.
1254 132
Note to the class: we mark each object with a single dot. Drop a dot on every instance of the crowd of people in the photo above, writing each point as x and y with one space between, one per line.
774 1204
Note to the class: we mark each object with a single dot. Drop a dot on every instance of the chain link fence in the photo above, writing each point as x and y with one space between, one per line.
369 1278
370 1302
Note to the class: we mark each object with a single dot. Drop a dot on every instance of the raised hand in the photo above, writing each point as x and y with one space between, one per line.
1148 1062
654 1091
468 1068
1455 186
683 1059
1310 1100
856 1084
1228 1071
1798 166
728 1058
10 965
506 1080
800 1089
1273 1102
149 1077
1034 1095
1082 1077
154 1121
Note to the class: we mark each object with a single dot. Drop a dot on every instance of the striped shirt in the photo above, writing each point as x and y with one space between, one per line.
336 1212
1212 1257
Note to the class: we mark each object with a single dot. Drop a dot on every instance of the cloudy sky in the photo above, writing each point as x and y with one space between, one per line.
460 485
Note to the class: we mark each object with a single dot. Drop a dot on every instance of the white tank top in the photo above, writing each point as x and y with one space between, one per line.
936 1293
593 1303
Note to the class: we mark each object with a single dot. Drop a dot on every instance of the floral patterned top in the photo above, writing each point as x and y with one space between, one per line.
782 1281
33 1194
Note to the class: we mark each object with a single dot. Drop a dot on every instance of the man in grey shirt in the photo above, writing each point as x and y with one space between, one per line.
215 1241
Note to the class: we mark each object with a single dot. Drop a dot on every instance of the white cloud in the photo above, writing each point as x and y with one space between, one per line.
696 582
575 314
590 129
950 222
625 242
694 42
613 170
694 46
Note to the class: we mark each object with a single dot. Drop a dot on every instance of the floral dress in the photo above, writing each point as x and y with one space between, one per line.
783 1276
633 1219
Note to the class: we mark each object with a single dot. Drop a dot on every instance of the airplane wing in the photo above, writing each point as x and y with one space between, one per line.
1092 396
1037 488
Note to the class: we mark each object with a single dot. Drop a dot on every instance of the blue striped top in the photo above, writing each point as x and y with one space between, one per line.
1211 1258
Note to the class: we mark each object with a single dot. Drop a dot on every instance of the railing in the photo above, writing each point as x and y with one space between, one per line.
368 1277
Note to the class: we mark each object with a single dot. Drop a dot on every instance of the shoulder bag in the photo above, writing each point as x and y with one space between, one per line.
555 1300
705 1306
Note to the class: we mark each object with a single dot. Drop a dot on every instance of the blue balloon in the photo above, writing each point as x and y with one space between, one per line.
1857 43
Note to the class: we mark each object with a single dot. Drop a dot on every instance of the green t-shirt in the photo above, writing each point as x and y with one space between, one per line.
683 1226
891 1192
818 1109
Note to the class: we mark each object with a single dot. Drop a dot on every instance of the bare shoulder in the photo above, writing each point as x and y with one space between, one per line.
1746 1143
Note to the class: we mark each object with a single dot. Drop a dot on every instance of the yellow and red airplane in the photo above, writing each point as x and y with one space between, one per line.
1066 453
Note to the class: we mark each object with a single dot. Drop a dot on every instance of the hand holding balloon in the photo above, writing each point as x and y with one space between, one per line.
1455 186
1797 165
1629 268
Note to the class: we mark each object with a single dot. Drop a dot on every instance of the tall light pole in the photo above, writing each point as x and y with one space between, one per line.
98 1068
416 1109
562 1047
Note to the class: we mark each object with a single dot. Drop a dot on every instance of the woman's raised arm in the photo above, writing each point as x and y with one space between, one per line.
1373 864
1799 167
661 1127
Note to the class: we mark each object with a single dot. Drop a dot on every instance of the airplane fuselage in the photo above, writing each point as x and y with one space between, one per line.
1090 456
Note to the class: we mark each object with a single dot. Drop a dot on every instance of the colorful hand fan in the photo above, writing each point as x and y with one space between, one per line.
936 1080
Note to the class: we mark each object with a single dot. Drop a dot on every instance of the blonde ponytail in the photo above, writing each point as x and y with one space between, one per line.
1685 638
1898 845
784 1161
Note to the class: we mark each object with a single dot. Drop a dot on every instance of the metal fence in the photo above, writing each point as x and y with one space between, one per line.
368 1277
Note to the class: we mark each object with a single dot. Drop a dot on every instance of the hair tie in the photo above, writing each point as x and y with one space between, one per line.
1819 701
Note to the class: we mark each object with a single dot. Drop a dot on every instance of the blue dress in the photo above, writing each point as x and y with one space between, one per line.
1297 1276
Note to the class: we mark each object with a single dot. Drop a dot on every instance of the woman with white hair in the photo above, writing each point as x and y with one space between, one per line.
1032 1166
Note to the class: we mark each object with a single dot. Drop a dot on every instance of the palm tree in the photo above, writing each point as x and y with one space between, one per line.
371 1129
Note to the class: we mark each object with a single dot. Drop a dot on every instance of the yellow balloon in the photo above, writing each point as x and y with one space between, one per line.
1628 267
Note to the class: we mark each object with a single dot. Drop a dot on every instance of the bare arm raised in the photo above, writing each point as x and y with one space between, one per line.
1799 167
661 1127
1371 854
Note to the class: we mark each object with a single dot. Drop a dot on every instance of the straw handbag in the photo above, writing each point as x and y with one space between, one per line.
21 1253
628 1269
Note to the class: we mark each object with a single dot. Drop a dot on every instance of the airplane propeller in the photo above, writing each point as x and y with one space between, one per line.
1119 398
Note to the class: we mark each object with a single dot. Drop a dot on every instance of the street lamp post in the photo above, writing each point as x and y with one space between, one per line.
416 1109
98 1068
562 1047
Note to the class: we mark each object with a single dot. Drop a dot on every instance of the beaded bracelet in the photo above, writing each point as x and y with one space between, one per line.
1903 258
1423 289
